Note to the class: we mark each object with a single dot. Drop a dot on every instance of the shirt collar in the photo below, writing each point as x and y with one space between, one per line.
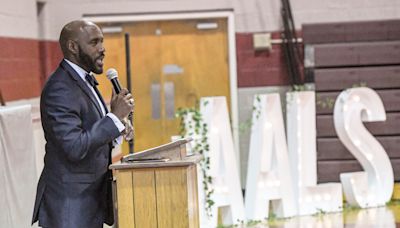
81 72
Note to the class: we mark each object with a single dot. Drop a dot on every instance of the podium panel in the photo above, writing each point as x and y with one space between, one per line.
157 197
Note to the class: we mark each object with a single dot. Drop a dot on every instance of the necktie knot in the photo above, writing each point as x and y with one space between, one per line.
91 79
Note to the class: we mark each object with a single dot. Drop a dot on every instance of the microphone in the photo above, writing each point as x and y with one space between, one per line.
112 75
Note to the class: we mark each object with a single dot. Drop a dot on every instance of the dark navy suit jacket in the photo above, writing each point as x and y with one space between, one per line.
74 190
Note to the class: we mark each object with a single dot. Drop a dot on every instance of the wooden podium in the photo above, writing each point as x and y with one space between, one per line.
157 188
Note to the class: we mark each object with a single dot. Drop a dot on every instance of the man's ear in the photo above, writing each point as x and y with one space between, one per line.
72 46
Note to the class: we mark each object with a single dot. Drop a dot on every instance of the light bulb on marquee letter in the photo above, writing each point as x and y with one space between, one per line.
374 186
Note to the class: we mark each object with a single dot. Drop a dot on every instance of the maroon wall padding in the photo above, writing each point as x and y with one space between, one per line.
351 54
326 128
351 32
390 99
333 149
356 54
329 171
379 77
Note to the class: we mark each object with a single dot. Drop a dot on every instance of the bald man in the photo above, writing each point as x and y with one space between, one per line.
74 190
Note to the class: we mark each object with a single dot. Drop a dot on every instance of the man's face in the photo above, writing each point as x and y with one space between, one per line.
91 50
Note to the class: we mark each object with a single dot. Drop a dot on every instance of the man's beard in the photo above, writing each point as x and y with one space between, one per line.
88 62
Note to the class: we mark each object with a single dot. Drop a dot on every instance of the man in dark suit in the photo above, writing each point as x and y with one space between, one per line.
74 190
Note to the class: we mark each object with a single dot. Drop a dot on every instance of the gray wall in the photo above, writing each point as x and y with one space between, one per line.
18 18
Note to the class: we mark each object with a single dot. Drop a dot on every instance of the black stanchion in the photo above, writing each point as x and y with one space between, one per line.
129 86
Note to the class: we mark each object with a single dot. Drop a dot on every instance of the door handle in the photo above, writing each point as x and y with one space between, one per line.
155 101
169 98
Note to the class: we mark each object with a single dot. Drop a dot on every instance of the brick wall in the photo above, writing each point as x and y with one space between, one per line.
259 68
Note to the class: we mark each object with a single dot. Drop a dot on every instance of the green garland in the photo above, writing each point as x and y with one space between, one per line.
192 124
248 123
323 102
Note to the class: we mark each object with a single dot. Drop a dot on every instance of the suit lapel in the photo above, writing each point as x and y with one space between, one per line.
102 101
74 75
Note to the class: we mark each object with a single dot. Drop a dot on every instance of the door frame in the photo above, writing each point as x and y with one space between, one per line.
226 14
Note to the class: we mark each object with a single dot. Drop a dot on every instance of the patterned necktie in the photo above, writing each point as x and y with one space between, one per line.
92 80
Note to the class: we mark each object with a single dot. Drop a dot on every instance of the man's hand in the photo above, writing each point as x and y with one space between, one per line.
122 104
128 132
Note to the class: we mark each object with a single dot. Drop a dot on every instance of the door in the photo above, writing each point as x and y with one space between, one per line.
173 64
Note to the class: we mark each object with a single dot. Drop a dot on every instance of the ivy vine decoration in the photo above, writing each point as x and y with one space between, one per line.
326 102
247 124
321 102
192 125
329 102
360 84
300 87
292 90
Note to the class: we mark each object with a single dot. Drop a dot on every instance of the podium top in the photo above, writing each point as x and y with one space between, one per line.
167 155
189 160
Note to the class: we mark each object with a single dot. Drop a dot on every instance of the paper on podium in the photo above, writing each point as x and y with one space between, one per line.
173 151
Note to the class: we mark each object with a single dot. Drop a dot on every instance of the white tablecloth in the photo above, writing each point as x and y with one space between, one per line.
18 169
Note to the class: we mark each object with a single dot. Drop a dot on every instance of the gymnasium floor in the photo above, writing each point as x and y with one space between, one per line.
382 217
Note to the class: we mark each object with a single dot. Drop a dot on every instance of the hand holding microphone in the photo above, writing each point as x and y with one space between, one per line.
122 103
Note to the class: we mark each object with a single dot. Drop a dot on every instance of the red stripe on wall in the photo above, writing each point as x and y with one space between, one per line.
19 68
50 57
24 64
259 68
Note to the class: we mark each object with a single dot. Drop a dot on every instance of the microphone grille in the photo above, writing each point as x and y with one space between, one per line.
112 73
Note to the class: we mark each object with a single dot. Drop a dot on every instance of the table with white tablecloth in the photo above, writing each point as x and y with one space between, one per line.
18 166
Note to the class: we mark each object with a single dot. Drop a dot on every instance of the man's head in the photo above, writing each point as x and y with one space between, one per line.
82 43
